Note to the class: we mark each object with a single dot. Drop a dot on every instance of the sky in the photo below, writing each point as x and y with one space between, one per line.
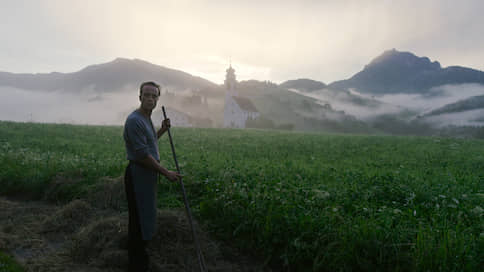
264 40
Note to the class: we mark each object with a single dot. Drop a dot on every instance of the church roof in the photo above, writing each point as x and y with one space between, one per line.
245 104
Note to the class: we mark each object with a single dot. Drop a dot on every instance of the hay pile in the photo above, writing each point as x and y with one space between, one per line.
91 235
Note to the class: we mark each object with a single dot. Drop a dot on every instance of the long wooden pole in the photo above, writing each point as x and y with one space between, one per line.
201 259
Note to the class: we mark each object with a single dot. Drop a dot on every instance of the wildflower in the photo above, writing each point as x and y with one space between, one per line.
478 210
320 194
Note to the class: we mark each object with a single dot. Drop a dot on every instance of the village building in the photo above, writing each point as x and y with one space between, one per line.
177 118
237 109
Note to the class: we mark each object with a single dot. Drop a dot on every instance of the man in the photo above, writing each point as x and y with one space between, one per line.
141 175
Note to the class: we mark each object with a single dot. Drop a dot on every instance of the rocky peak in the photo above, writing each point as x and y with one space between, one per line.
394 58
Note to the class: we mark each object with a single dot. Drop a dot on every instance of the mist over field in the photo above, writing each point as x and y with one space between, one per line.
112 108
66 107
367 107
101 108
344 101
435 97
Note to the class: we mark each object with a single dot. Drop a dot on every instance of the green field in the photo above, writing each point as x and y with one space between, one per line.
300 201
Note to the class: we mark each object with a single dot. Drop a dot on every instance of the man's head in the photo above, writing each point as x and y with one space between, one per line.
148 95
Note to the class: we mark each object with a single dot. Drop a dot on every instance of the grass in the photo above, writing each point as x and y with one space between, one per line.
8 264
303 201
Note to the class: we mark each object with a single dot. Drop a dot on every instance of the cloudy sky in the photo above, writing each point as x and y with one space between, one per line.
265 40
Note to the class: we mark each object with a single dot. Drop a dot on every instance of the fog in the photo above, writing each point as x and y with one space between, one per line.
435 98
362 107
367 107
94 108
466 118
90 107
64 107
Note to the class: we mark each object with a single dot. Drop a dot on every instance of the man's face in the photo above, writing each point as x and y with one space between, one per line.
149 97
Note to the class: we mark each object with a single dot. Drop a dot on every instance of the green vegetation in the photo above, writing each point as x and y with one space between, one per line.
8 264
302 201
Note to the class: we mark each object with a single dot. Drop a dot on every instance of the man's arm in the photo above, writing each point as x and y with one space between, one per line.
153 164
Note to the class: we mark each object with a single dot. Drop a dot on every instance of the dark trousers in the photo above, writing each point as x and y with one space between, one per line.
138 257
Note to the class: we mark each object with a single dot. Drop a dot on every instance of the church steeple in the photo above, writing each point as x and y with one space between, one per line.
230 80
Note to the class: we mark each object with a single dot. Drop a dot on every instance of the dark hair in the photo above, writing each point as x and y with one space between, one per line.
149 83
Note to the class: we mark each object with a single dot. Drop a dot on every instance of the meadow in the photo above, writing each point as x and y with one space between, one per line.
298 201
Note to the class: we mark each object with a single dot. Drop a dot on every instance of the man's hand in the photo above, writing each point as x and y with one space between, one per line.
173 176
165 124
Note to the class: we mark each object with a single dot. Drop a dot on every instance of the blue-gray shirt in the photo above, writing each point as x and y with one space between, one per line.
141 139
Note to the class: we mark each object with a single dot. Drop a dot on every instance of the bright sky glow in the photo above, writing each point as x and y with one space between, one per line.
265 40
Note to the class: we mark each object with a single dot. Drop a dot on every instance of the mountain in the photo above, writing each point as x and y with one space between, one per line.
403 72
303 84
107 77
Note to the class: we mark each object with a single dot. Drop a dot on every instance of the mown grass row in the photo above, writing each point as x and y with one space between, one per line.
302 201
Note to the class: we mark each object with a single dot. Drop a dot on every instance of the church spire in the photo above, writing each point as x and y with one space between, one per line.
230 80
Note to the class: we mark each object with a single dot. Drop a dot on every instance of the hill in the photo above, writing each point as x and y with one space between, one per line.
403 72
303 84
296 110
107 77
471 103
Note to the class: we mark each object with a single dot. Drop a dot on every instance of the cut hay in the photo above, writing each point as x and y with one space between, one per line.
59 187
108 193
69 218
91 235
96 238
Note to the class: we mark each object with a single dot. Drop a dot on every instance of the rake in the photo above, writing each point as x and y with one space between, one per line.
201 259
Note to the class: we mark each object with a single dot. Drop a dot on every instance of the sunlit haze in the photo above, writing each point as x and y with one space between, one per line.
265 40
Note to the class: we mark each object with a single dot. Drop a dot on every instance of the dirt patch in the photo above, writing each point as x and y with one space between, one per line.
91 235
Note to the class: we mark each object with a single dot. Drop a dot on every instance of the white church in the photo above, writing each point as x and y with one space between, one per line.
237 109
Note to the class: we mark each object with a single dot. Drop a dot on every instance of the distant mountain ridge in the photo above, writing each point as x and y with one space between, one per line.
106 77
303 84
403 72
390 73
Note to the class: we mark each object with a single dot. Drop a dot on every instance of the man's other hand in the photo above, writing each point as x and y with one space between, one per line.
173 176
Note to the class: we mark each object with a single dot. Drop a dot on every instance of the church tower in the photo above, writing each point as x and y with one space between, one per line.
230 81
237 110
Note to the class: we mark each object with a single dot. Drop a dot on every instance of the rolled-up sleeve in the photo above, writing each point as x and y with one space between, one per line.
136 140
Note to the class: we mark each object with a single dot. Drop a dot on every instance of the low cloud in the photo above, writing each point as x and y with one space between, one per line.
94 108
465 118
367 107
435 97
351 102
64 107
